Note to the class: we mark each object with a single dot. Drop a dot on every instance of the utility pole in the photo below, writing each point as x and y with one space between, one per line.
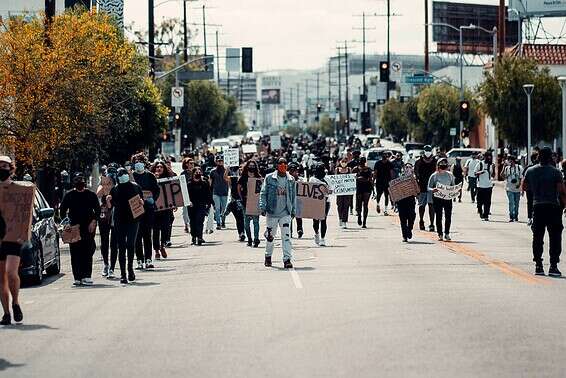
217 60
426 61
241 92
363 94
347 88
388 44
185 33
501 27
329 84
151 35
204 27
339 83
318 88
307 100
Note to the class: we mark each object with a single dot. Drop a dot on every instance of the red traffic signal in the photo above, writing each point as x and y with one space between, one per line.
464 111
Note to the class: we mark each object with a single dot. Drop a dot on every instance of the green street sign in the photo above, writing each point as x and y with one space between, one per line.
419 79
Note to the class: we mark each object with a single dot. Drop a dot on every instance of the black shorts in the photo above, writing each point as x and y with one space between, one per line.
10 248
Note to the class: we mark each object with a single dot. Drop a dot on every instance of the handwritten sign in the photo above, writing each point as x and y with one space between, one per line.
16 206
403 187
447 192
232 157
249 148
275 142
311 200
71 234
342 185
106 185
252 202
173 193
136 206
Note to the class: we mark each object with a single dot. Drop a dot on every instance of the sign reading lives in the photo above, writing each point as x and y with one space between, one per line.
342 185
252 203
311 200
173 193
403 187
16 205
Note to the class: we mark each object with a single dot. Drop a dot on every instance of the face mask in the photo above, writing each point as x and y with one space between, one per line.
123 179
197 176
139 167
443 167
428 154
80 185
282 168
4 174
252 169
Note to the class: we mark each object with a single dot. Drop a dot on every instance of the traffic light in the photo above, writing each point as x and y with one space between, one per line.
318 108
465 133
384 72
464 111
177 120
247 59
258 105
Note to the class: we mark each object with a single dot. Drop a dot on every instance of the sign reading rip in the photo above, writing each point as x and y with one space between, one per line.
173 193
16 205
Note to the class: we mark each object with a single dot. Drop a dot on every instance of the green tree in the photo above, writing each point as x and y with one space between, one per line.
324 127
394 119
206 110
504 100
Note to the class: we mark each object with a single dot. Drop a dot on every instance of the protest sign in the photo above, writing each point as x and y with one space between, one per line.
71 234
252 202
136 205
106 185
232 157
311 200
342 185
403 187
275 142
249 148
16 206
173 193
447 192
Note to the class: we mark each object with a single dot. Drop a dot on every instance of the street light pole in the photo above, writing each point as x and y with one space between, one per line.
528 88
562 81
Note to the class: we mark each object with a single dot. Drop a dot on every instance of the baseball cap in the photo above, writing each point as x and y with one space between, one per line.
427 148
5 159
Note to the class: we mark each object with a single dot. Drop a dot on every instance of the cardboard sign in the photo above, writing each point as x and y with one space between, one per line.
173 193
275 142
447 192
232 157
249 149
71 234
342 185
311 201
403 187
16 206
136 206
106 185
252 202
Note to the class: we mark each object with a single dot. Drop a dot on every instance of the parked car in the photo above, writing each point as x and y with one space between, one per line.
374 154
43 254
463 153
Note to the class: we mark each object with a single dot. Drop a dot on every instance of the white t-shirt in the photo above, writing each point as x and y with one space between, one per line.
513 174
485 172
471 166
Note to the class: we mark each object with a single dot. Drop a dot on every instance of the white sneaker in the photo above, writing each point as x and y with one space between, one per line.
77 283
316 239
110 273
345 225
105 270
87 281
322 242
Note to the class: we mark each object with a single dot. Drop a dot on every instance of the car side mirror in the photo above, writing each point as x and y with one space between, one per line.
46 213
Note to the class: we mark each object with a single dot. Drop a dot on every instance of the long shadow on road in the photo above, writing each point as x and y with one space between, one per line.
5 365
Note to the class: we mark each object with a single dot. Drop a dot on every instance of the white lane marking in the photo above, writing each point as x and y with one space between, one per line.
296 279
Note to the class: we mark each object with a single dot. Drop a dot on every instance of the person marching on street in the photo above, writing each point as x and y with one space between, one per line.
162 218
200 195
10 254
529 193
84 209
125 225
512 174
445 177
236 208
187 165
382 174
406 208
277 201
364 189
295 172
148 184
343 203
425 166
549 196
250 171
484 173
318 178
469 171
108 241
458 173
220 182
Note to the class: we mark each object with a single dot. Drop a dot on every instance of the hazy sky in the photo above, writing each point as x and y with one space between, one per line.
298 34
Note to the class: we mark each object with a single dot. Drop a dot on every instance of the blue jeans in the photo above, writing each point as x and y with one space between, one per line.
220 203
247 220
514 200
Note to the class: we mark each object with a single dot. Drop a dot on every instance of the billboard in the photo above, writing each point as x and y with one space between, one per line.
475 41
271 96
232 60
539 8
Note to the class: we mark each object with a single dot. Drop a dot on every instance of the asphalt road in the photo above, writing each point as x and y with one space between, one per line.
365 306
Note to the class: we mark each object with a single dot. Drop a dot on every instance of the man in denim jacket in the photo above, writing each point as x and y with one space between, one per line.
277 201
